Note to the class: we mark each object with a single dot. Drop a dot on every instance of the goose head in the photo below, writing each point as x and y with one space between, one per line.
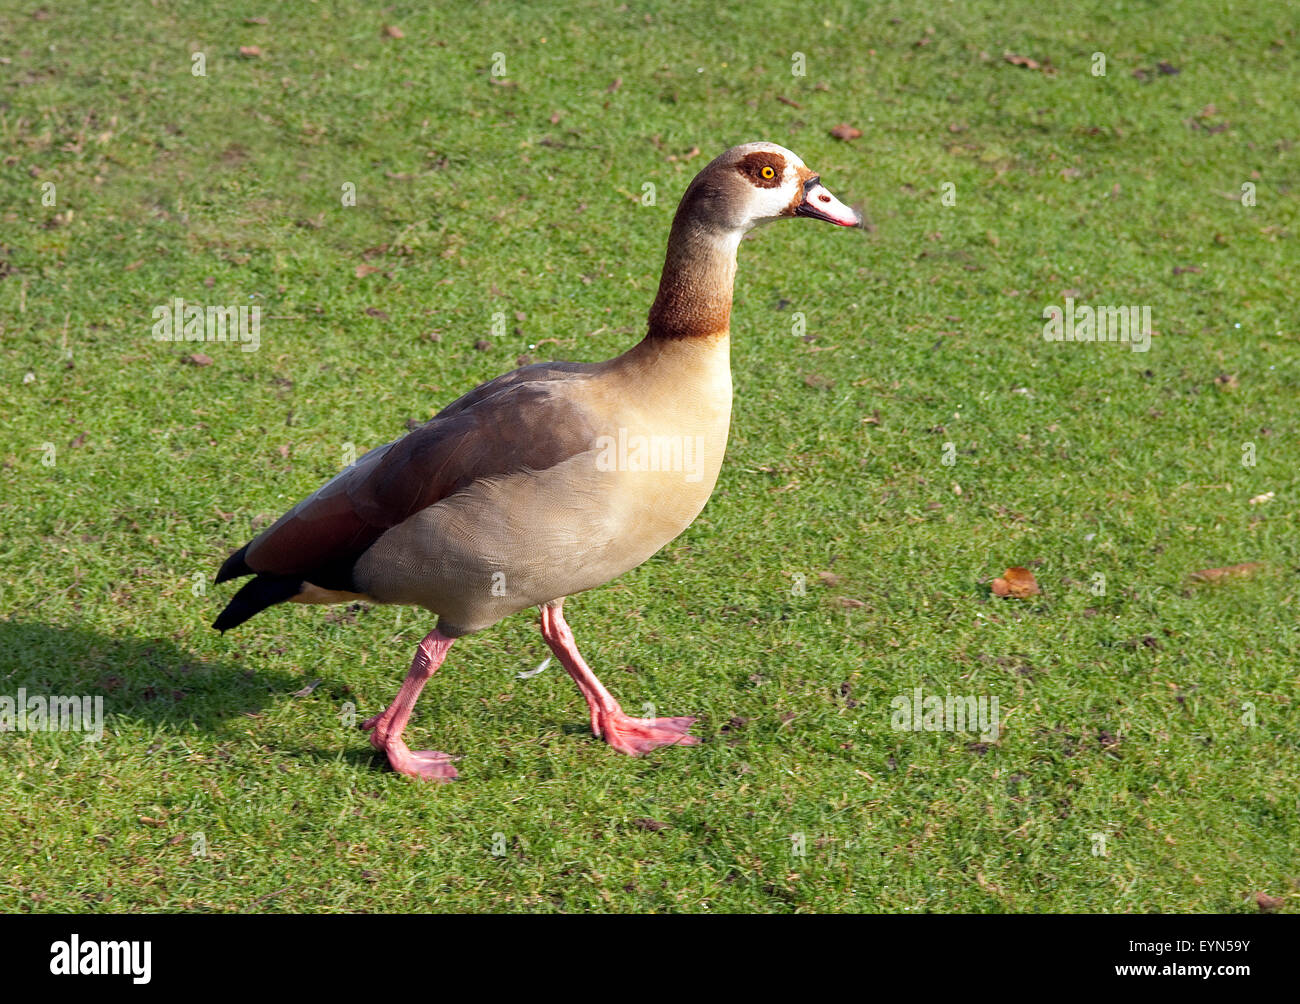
759 182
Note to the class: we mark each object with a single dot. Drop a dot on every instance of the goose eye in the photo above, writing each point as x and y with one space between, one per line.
767 173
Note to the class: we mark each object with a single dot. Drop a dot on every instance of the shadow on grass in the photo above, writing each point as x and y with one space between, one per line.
147 679
152 680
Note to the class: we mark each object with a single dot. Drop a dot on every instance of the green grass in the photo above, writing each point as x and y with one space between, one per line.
1123 713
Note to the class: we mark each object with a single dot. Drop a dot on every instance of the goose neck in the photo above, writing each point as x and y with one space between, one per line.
695 289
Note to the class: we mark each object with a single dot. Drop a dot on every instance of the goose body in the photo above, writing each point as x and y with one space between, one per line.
547 481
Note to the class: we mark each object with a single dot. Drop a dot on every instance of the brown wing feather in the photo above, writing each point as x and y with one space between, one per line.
520 420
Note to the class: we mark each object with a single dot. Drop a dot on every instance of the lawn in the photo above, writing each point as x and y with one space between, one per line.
902 434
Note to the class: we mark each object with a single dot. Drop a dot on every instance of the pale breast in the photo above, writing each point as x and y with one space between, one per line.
507 543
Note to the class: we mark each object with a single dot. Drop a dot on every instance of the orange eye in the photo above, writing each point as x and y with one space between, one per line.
767 173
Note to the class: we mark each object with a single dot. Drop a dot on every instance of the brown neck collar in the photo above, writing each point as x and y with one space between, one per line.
695 289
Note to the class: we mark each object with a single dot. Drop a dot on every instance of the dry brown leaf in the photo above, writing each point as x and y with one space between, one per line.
1016 582
365 270
1267 903
992 888
198 359
392 31
1242 571
1030 64
845 132
250 51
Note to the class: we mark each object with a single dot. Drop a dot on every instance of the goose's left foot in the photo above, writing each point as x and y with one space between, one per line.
626 734
635 736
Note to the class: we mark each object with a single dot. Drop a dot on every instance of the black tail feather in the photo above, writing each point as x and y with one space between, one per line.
264 591
235 566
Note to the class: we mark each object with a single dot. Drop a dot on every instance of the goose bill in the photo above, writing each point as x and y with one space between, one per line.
821 205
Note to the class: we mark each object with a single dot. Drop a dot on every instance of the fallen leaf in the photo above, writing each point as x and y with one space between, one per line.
1267 903
365 270
828 578
845 132
306 691
392 31
1242 571
198 359
990 887
1016 582
250 51
1261 499
1030 64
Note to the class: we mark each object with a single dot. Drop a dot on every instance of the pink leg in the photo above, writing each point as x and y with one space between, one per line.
386 728
627 735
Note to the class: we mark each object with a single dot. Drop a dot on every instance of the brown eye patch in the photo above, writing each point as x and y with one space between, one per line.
763 168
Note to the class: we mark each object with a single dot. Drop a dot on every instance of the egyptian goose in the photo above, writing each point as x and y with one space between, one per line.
546 481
